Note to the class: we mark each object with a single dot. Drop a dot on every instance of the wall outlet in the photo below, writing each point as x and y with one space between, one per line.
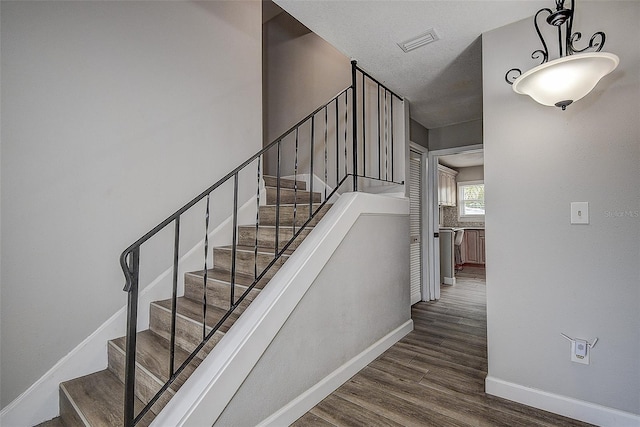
580 352
579 212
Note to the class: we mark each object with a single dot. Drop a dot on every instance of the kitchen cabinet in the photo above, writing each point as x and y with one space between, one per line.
447 188
473 246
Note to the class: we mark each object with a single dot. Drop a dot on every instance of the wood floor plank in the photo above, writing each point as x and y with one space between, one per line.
341 412
311 420
434 376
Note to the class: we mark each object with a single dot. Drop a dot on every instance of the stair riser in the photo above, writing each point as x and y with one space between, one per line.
188 333
267 237
272 181
245 261
218 293
291 196
268 215
146 384
68 414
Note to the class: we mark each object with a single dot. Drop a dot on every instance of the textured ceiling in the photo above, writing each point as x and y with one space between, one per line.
442 80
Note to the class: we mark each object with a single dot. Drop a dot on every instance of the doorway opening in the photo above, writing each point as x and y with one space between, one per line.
455 197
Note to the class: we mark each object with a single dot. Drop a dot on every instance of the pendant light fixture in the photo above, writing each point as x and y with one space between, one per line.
574 73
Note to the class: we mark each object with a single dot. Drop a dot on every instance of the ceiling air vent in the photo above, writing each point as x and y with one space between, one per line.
425 38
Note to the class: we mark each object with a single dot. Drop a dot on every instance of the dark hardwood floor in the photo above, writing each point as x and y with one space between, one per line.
434 376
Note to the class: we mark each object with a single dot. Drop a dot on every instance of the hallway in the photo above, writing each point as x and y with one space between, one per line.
434 376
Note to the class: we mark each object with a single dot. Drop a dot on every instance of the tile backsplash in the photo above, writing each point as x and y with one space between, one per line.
450 218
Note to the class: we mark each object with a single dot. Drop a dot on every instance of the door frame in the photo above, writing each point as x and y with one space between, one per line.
433 226
424 216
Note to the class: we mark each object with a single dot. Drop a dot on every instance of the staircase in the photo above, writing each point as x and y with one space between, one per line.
97 399
325 146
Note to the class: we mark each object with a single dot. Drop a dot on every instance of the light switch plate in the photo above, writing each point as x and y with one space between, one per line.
579 212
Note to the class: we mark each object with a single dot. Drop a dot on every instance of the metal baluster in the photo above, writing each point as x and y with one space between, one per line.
132 320
234 246
354 116
326 130
346 123
364 129
379 136
255 249
206 268
295 185
313 124
337 144
386 139
393 154
174 299
278 200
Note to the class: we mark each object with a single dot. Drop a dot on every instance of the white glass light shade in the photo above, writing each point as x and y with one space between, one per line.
565 80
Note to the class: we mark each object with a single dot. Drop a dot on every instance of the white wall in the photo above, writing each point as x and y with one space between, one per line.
545 276
418 133
471 173
355 301
302 72
114 115
457 135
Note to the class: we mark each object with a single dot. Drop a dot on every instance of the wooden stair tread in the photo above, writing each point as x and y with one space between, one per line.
192 310
272 181
153 354
273 227
101 397
299 205
55 422
224 276
292 196
251 249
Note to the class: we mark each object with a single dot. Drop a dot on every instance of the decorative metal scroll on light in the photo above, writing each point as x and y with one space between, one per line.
562 18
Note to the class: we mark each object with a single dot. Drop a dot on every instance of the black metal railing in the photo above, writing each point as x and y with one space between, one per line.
351 145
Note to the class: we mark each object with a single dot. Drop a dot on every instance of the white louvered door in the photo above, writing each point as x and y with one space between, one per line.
415 229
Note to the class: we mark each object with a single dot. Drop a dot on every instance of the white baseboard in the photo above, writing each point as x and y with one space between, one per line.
307 400
561 405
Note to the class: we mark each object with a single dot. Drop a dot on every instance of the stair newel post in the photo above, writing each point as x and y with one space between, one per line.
132 321
234 247
174 298
354 116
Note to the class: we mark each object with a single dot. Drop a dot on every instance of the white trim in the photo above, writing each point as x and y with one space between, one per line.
433 243
562 405
467 218
40 401
205 394
307 400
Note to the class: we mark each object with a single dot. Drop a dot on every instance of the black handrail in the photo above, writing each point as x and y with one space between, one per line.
130 258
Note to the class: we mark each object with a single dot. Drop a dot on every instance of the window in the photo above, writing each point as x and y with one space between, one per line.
471 201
